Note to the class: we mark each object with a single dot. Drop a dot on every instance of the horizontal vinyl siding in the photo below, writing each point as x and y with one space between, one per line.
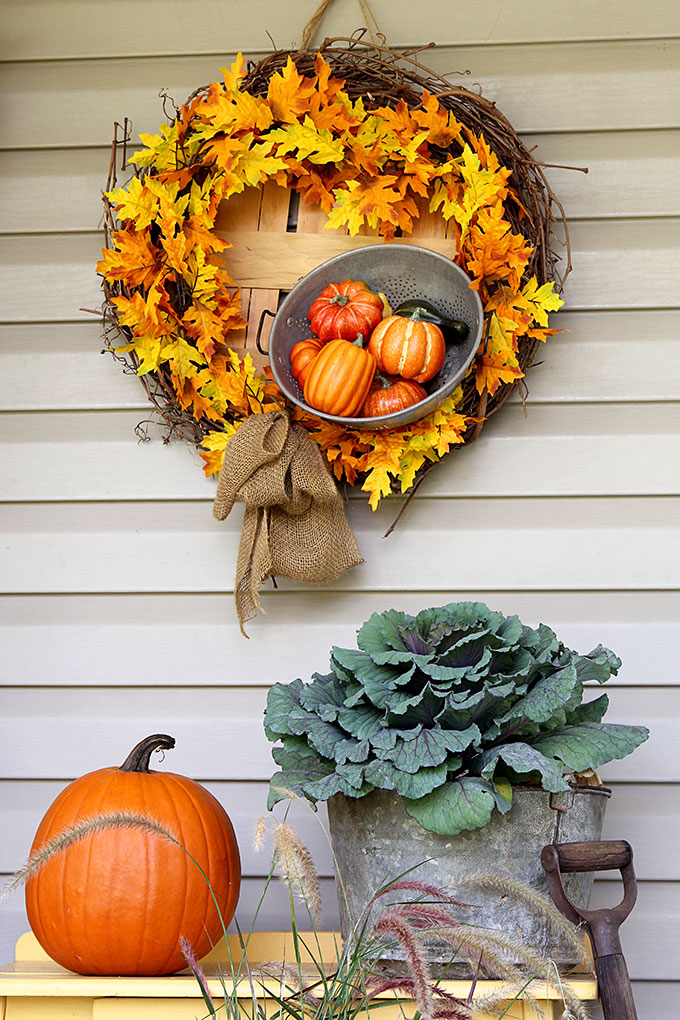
116 611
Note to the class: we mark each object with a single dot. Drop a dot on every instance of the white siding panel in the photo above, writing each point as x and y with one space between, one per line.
624 543
74 29
630 174
220 734
558 87
596 358
644 815
99 456
620 263
131 639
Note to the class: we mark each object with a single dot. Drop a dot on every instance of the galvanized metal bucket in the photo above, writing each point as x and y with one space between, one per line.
400 271
375 841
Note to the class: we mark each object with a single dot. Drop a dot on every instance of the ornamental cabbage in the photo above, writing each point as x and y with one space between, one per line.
449 708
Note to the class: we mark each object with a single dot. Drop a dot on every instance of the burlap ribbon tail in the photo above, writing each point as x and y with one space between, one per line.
294 523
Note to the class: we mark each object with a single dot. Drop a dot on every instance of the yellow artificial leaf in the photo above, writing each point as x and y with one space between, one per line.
148 350
308 142
541 300
160 151
183 358
134 202
214 445
256 164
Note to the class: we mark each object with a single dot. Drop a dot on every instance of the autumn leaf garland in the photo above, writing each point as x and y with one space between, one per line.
179 305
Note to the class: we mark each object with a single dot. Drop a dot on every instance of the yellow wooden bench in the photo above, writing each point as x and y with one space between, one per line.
36 988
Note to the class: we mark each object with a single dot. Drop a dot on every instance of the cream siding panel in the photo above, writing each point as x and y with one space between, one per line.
621 351
97 456
210 743
576 87
73 29
617 264
632 813
630 174
124 639
78 548
117 609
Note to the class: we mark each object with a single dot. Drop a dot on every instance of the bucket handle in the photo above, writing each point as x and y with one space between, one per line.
258 337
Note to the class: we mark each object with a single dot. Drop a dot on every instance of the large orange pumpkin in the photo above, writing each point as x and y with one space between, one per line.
339 378
118 900
411 348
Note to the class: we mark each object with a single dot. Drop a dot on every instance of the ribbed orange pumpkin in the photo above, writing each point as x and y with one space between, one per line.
347 309
411 348
339 378
392 395
117 901
301 356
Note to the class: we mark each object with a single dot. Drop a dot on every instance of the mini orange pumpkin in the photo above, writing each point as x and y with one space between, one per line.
347 309
117 901
392 395
411 348
339 378
301 356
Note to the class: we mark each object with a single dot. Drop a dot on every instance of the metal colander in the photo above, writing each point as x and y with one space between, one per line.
400 271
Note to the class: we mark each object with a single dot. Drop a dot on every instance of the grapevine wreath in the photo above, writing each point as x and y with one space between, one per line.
373 138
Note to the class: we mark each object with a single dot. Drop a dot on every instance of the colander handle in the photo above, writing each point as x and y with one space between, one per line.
258 337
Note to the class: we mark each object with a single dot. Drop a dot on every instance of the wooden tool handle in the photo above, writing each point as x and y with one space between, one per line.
615 992
603 856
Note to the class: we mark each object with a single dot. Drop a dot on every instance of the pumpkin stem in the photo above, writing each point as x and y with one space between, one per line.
339 299
139 757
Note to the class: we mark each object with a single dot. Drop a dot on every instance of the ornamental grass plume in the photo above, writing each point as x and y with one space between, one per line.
295 864
75 833
393 923
537 902
198 972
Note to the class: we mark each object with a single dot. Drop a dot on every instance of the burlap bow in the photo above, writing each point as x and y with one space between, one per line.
294 524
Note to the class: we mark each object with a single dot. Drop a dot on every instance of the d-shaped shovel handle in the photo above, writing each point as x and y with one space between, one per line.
603 925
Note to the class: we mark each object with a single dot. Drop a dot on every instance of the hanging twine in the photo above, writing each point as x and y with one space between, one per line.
294 524
376 35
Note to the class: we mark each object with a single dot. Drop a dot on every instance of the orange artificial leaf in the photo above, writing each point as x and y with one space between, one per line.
375 203
198 234
214 445
233 112
203 326
234 75
495 252
491 372
288 93
442 127
135 259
